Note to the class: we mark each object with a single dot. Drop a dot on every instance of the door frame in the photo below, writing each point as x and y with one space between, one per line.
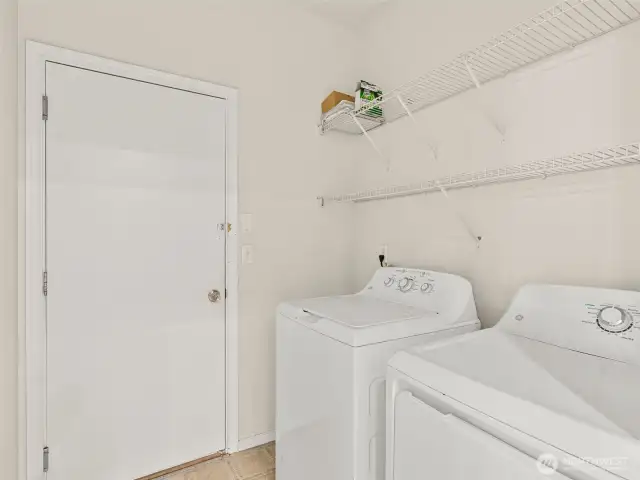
32 375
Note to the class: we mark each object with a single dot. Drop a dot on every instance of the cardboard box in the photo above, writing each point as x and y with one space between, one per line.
334 99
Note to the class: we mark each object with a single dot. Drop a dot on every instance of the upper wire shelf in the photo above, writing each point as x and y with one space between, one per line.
573 163
555 30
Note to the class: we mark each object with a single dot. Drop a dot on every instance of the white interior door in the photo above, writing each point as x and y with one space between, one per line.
135 190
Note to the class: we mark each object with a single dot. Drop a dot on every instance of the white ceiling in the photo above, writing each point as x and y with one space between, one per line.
347 12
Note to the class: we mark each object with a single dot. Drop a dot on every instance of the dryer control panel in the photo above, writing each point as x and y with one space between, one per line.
596 321
614 318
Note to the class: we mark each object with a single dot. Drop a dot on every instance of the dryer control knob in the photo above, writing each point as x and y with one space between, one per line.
389 281
614 319
406 284
426 287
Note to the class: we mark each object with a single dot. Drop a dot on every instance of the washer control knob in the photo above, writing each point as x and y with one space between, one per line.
426 287
614 319
406 284
389 281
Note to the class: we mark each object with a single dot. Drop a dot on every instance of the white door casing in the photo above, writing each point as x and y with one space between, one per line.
126 185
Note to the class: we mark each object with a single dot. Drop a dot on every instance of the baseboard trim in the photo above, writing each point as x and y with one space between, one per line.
256 441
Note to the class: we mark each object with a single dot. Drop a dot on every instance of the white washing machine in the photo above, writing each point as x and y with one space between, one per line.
332 355
553 391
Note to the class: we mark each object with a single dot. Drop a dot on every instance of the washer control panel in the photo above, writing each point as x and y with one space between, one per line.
411 281
597 321
448 295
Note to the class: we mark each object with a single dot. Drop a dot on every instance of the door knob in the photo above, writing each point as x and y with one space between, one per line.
214 296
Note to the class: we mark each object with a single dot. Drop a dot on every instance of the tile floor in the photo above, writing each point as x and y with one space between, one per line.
255 464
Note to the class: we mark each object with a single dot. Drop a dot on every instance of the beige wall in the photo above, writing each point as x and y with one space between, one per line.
283 65
580 229
8 238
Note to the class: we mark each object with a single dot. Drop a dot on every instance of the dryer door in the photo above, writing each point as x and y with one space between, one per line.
429 444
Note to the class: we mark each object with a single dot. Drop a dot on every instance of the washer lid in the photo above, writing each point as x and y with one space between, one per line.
359 320
359 311
582 404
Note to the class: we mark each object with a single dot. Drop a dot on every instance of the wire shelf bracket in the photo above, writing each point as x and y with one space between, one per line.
456 212
502 131
472 74
384 158
433 149
461 218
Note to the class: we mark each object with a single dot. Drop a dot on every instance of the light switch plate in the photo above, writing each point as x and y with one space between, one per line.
246 220
247 254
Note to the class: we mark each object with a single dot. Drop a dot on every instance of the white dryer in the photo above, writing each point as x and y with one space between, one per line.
332 355
553 391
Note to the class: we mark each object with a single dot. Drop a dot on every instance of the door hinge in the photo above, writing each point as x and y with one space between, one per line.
45 108
45 283
45 459
226 294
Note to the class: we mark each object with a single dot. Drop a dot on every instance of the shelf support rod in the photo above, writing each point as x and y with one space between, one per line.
371 141
477 83
460 217
472 74
434 152
453 208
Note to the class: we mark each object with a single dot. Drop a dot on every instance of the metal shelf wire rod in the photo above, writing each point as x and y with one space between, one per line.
569 164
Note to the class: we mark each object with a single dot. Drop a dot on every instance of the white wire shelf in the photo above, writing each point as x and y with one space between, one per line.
555 30
574 163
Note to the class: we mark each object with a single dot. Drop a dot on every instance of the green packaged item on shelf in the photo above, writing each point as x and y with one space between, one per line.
366 93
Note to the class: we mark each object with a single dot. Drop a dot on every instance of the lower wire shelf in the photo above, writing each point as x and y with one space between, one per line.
573 163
